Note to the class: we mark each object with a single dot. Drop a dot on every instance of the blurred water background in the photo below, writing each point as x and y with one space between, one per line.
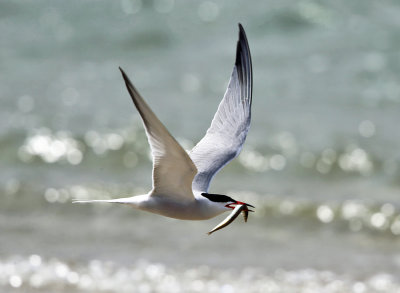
321 162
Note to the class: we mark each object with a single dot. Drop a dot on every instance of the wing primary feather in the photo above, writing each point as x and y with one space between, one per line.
225 137
244 64
135 97
173 170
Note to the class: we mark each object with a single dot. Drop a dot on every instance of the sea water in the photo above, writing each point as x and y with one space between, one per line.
321 161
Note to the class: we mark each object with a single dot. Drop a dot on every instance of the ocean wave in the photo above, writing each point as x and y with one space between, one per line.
128 147
350 215
35 272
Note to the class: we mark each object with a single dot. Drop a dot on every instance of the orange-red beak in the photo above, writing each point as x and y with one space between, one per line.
234 204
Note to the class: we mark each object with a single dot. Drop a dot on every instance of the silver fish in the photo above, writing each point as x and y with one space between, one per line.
232 216
246 211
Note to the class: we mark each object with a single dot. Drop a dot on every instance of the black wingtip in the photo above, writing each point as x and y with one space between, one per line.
123 73
243 64
127 81
242 33
242 45
241 29
129 86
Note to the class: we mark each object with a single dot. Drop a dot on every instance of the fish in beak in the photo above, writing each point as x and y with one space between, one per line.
245 211
237 208
232 216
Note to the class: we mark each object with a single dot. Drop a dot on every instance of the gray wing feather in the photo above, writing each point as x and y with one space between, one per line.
227 133
173 170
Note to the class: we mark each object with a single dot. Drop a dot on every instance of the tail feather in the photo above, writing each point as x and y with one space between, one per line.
134 201
119 200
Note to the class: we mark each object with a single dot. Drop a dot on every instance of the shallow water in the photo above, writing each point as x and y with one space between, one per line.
321 162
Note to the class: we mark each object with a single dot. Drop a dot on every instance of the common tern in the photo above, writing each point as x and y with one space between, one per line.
181 180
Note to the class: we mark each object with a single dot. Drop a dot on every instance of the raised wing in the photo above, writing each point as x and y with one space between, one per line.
227 133
173 170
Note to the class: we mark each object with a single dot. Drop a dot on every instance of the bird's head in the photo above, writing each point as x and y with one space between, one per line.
226 201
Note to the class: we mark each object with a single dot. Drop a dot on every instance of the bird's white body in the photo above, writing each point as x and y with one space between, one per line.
180 179
199 209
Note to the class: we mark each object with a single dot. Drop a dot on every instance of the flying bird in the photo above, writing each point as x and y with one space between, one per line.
181 180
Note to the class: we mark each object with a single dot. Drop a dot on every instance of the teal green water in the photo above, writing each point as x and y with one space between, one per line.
321 162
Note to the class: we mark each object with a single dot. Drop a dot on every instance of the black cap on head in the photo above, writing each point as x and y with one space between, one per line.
218 197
